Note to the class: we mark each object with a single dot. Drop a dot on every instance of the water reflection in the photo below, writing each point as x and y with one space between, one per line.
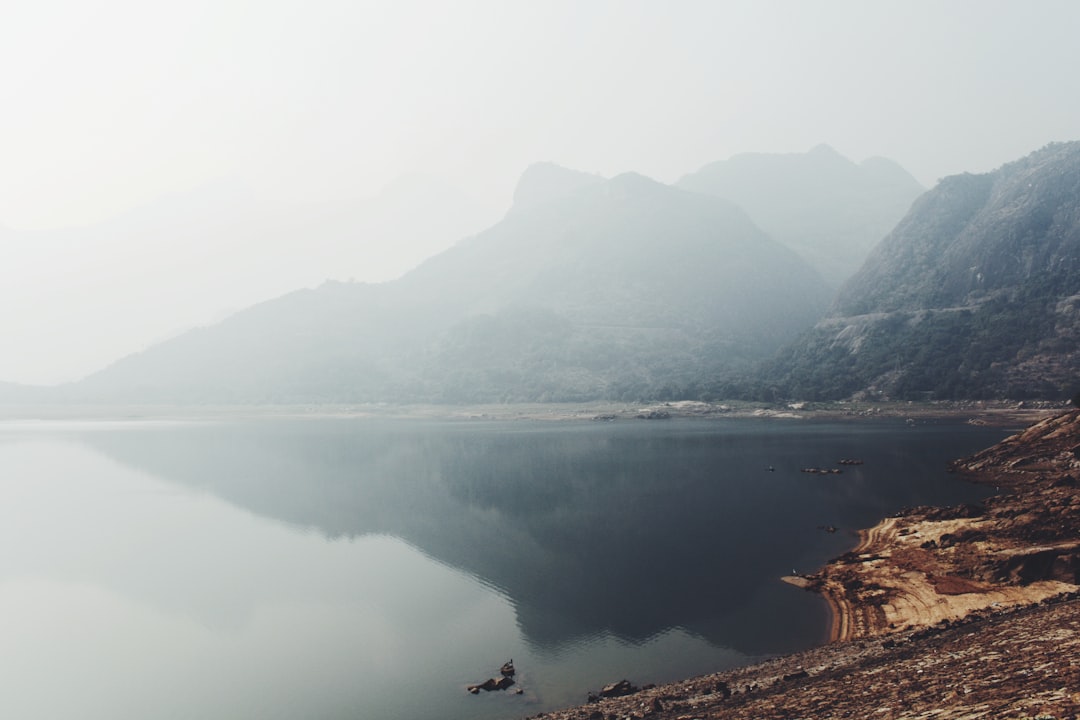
624 530
121 597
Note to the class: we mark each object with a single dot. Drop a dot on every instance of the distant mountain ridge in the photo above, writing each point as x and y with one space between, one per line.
823 206
975 294
622 288
545 181
188 259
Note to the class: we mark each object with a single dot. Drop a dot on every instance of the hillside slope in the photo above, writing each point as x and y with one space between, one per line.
624 288
975 294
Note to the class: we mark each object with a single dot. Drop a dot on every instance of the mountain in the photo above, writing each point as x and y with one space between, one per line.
543 182
195 257
820 204
621 288
15 394
975 294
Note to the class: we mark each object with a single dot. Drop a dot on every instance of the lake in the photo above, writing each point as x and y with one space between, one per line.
371 569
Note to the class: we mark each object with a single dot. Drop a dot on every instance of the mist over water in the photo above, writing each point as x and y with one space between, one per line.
358 568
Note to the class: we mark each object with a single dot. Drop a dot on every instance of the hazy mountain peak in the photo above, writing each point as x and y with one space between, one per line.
632 183
823 150
627 289
545 181
819 203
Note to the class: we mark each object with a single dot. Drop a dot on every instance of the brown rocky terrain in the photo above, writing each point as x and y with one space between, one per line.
934 564
962 612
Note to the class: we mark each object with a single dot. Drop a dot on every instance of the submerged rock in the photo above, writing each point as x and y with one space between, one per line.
500 683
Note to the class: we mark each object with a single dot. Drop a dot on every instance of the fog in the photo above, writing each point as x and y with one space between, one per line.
165 165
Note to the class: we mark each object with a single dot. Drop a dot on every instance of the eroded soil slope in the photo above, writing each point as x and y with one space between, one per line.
934 564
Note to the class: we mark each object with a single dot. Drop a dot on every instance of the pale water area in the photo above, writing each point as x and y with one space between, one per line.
371 569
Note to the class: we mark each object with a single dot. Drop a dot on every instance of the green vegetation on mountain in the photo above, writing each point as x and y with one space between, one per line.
975 294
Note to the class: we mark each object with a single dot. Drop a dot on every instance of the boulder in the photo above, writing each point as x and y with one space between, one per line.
618 689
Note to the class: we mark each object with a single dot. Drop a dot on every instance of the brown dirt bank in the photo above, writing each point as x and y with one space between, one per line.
980 605
932 564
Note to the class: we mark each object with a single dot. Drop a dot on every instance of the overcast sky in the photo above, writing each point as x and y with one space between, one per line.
280 105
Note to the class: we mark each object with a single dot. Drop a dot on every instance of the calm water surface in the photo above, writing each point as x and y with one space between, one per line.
371 569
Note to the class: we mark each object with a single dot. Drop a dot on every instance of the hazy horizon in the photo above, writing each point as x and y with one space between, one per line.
283 144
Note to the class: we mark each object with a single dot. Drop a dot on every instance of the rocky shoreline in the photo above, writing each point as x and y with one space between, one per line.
1009 663
962 612
929 564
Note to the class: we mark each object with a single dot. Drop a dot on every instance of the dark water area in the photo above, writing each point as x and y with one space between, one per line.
358 568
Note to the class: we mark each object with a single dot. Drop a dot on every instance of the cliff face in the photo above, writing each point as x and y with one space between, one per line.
975 294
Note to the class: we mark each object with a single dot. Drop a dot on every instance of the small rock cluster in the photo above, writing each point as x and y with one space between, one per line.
502 682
